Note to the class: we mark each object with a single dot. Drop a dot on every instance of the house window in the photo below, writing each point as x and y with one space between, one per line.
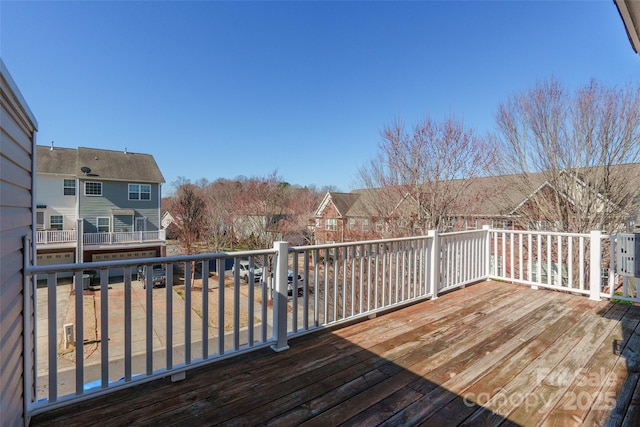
332 224
104 224
318 222
93 189
352 224
379 226
55 222
39 220
365 225
139 192
69 187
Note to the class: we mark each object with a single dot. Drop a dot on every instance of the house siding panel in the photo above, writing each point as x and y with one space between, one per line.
115 195
17 143
50 192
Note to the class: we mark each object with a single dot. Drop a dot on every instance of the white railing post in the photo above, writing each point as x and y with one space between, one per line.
595 275
487 251
434 260
280 297
79 240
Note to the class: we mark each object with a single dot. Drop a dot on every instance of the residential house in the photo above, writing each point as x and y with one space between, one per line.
506 201
97 205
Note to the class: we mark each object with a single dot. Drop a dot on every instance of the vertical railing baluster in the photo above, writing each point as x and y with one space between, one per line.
250 303
326 262
305 297
294 294
353 280
128 352
149 320
236 308
361 259
104 326
263 320
52 281
205 309
570 260
220 268
549 259
79 314
335 284
188 289
169 312
316 286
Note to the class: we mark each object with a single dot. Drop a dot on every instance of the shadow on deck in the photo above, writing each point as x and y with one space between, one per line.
492 353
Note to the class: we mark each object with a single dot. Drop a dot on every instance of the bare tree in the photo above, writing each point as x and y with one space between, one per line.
188 209
423 174
219 196
574 152
299 214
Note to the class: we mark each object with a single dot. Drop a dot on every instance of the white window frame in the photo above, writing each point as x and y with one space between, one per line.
98 226
365 224
138 191
379 226
67 187
53 226
332 224
352 224
91 183
318 222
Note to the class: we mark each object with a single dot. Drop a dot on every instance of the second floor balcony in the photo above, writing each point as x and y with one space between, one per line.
434 329
70 237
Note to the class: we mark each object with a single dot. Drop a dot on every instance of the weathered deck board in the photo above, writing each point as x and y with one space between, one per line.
477 355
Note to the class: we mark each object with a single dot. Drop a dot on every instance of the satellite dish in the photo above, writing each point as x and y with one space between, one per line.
85 170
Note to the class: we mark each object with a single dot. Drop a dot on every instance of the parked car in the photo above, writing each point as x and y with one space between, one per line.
158 275
290 285
245 271
299 284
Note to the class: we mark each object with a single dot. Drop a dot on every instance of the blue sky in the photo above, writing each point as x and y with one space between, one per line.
226 89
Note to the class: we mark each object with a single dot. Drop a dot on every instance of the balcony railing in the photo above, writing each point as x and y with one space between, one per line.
55 236
69 236
207 312
122 237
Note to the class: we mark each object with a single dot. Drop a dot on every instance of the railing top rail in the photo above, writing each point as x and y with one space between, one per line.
38 269
546 233
356 243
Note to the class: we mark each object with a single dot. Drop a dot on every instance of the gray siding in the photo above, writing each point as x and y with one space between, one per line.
17 147
115 195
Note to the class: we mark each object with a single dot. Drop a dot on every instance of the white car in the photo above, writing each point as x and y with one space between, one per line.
300 284
243 267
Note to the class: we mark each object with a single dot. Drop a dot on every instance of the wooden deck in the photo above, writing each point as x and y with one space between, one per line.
488 354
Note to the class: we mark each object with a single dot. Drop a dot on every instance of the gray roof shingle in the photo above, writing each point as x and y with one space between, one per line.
104 164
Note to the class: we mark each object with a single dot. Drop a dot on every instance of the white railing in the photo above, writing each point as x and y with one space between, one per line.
122 237
572 262
207 312
55 236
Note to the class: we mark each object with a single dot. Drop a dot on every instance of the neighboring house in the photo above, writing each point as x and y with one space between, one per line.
508 201
97 205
